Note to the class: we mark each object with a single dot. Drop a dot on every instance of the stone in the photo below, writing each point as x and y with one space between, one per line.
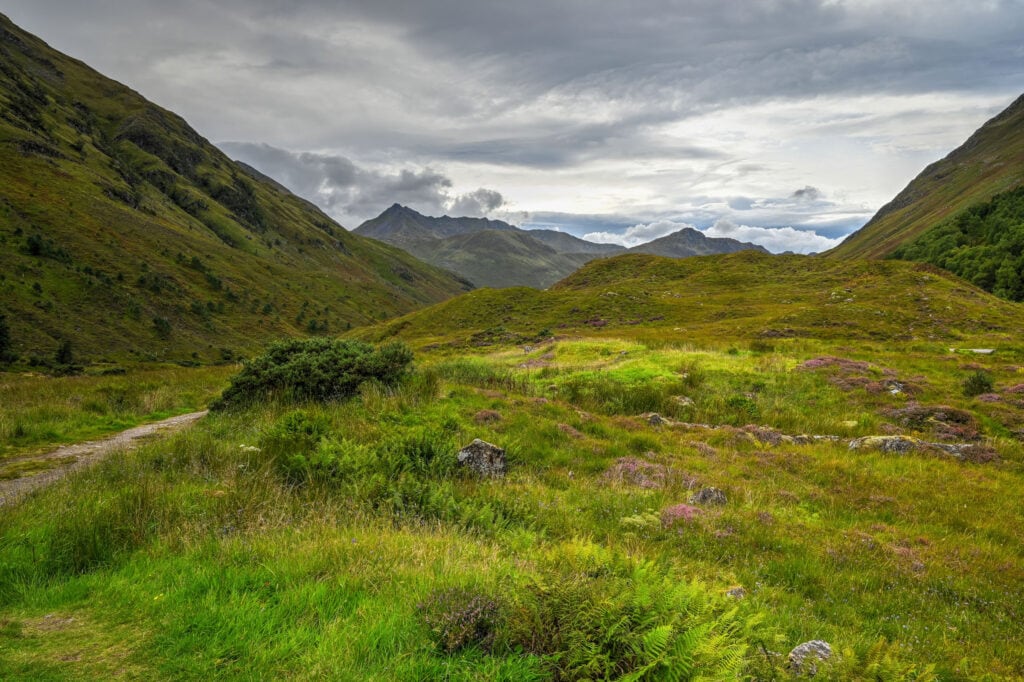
655 419
708 496
484 459
804 657
738 592
683 401
896 444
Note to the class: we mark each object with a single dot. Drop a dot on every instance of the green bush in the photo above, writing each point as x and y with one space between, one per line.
6 355
977 383
461 617
292 442
615 622
318 369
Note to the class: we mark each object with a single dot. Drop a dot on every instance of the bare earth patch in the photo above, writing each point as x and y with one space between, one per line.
81 455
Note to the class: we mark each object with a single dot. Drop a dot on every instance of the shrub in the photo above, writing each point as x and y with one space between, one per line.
292 441
6 355
461 617
610 623
977 383
318 369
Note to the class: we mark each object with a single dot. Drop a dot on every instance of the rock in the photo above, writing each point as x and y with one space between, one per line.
683 401
897 444
655 419
804 657
708 496
487 416
738 592
483 458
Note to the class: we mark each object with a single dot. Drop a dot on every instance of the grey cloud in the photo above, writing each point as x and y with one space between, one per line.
807 193
352 193
476 204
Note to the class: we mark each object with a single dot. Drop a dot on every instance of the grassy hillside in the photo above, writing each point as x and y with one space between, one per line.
984 244
500 258
205 556
740 298
989 162
125 232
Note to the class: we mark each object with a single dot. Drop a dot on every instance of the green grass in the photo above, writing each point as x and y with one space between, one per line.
226 565
38 413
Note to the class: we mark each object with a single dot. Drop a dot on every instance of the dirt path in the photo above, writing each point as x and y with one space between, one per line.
81 455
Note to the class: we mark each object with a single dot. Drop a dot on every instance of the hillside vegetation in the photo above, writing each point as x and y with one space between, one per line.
342 540
721 300
127 234
990 162
984 244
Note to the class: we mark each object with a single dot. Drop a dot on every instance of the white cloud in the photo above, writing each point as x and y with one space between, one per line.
775 239
638 234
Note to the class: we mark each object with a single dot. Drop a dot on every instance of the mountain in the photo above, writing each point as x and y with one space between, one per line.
126 233
493 253
500 258
689 242
990 162
746 296
399 224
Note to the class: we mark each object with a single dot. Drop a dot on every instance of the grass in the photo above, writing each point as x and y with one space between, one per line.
39 413
226 565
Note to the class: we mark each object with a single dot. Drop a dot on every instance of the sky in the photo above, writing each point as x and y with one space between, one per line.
787 123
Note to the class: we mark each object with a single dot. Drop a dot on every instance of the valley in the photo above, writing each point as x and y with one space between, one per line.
447 448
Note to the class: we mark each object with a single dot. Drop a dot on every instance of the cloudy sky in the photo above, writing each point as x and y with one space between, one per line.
783 122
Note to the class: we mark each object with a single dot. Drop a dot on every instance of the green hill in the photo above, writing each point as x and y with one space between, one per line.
125 232
984 244
746 296
991 161
500 258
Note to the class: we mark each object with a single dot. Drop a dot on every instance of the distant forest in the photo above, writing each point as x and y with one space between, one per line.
984 244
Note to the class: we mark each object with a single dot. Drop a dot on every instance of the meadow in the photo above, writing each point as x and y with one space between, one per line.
341 540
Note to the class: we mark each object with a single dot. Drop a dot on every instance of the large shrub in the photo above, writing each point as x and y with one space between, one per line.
318 369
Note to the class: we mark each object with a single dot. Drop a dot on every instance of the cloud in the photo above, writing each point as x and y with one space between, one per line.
775 239
808 193
637 234
476 204
353 193
708 111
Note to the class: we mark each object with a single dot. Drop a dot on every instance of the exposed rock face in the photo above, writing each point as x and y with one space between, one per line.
484 459
804 657
708 496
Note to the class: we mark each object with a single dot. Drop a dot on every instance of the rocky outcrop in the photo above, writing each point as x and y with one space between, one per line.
484 459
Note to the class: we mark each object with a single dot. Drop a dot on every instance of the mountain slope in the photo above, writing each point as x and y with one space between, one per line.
399 224
125 232
689 242
500 258
989 162
493 253
724 299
